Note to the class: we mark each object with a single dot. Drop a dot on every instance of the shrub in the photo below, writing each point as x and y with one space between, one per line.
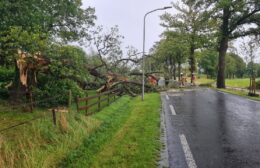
4 93
6 75
57 92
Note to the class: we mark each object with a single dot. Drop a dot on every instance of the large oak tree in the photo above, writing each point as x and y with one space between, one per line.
237 18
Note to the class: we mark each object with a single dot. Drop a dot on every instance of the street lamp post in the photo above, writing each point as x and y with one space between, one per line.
143 64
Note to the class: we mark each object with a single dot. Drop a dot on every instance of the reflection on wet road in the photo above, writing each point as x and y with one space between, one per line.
221 130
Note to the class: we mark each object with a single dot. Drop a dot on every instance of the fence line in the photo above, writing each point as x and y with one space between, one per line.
37 102
21 123
87 106
54 111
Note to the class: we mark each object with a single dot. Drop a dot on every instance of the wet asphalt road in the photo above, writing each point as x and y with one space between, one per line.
210 129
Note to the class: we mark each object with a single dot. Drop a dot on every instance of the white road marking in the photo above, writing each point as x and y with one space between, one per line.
176 94
223 92
167 97
187 152
172 110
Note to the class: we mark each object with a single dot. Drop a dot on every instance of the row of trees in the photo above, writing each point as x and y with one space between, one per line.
207 27
236 67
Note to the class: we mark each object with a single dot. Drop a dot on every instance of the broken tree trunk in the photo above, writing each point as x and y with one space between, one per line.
26 68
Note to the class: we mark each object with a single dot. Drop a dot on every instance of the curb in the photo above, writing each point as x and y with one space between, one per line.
164 156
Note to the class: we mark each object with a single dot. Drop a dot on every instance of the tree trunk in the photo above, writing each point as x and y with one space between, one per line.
174 71
179 70
223 46
192 60
17 91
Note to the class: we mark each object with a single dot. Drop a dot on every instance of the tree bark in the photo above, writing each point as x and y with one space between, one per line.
174 71
223 46
179 70
192 60
17 91
221 63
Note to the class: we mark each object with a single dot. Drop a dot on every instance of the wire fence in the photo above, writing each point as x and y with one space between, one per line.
31 105
53 110
20 124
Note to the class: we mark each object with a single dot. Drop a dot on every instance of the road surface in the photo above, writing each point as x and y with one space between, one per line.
210 129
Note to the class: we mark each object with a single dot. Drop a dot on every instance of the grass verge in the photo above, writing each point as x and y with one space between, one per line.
239 83
128 136
205 82
239 93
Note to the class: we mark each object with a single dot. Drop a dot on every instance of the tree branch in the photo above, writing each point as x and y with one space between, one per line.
242 20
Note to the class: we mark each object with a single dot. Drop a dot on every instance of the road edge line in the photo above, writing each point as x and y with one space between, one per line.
172 110
187 152
167 97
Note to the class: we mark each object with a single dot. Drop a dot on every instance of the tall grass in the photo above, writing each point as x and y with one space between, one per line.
41 144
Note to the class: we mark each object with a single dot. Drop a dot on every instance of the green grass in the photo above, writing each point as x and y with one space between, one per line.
128 137
135 143
41 144
128 127
202 81
240 93
239 83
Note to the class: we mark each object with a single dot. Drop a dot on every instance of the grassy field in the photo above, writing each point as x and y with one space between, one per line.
204 81
128 137
237 83
240 83
129 128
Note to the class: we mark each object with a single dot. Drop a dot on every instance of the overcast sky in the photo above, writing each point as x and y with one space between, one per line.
128 15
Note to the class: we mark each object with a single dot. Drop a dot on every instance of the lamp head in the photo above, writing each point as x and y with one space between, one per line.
167 7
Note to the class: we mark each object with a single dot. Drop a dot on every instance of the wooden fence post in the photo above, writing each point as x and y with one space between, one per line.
69 102
114 96
77 103
31 101
54 117
254 86
87 106
108 98
250 85
99 103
